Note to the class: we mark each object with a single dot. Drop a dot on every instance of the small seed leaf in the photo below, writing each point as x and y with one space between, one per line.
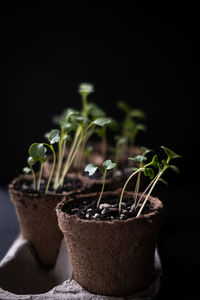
102 121
95 111
79 119
138 158
136 113
145 150
170 154
66 137
38 152
85 88
163 181
140 127
91 169
53 136
135 169
149 172
174 168
155 161
108 164
123 106
31 161
26 170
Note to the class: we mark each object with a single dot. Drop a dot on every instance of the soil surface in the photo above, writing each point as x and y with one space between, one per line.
70 184
108 209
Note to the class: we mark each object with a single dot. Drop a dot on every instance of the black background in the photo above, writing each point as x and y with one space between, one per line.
145 55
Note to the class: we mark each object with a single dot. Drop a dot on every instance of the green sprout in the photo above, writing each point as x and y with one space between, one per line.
37 152
130 125
91 169
148 171
84 90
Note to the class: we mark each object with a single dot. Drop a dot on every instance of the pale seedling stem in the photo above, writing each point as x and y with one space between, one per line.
52 169
153 185
40 176
34 180
103 185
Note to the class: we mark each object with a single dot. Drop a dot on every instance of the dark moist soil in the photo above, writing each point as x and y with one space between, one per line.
98 175
70 184
108 209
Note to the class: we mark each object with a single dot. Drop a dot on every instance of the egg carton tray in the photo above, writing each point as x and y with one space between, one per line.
22 277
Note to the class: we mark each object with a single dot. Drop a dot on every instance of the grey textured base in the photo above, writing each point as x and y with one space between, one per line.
22 278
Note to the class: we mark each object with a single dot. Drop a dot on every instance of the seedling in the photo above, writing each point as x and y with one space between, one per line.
37 152
91 169
130 125
148 171
84 90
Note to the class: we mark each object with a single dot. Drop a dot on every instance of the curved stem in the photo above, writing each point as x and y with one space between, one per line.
40 176
52 169
33 173
123 190
136 189
102 189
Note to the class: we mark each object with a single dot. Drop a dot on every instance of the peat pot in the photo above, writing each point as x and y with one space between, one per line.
37 217
113 257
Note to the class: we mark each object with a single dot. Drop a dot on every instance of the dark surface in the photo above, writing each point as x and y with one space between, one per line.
144 54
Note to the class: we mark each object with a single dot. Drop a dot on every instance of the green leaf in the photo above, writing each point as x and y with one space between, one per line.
149 172
66 137
37 151
94 111
135 169
69 126
69 112
91 169
140 127
53 136
145 150
31 161
155 161
136 113
170 154
102 121
79 119
108 164
138 158
85 88
174 168
163 181
123 106
26 170
114 125
120 139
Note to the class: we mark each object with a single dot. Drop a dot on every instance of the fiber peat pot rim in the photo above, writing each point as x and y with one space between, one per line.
86 185
155 202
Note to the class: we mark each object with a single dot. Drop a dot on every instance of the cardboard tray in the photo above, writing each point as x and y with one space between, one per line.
22 278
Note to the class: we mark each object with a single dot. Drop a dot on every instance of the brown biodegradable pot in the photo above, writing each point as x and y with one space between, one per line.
37 218
115 257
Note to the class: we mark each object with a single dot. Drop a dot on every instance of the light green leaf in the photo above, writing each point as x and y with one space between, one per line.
136 113
174 168
170 154
95 111
53 136
31 161
135 169
91 169
108 164
145 150
138 158
26 170
123 106
85 88
79 119
102 121
66 137
120 139
155 161
163 181
37 151
140 127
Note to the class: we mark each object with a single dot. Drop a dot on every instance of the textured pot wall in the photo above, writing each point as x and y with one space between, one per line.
38 221
112 258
